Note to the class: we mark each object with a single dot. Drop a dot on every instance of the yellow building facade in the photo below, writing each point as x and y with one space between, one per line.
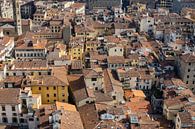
91 46
51 89
76 52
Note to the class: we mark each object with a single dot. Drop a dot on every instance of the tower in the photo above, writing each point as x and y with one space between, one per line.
17 16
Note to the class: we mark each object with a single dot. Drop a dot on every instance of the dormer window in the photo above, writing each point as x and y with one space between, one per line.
30 44
94 79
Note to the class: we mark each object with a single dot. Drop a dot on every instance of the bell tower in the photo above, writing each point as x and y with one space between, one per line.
17 16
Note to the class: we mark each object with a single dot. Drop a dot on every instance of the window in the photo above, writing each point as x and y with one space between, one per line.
63 88
6 85
189 63
13 108
188 70
39 88
14 74
114 97
54 95
188 76
47 88
3 108
14 114
193 82
186 82
54 88
3 114
54 100
21 120
14 120
49 73
31 119
4 119
47 95
93 79
63 100
48 101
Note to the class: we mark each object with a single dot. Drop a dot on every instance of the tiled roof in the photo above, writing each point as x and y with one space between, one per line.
44 80
116 59
10 96
78 87
71 120
89 116
188 58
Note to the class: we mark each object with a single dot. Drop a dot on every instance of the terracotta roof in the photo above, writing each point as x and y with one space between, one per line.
36 44
188 58
180 42
91 73
78 87
5 41
185 118
116 60
77 5
179 100
89 116
139 106
102 97
110 124
121 25
65 106
96 56
107 82
10 96
112 39
60 73
12 79
35 64
6 20
71 120
134 93
44 80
